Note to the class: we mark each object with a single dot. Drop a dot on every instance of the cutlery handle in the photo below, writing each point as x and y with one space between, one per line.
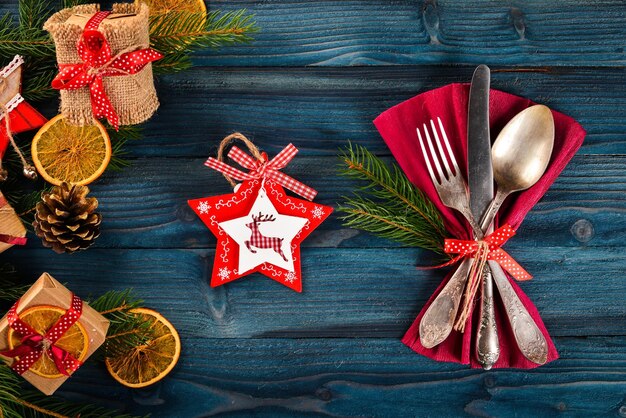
437 322
487 344
528 336
492 210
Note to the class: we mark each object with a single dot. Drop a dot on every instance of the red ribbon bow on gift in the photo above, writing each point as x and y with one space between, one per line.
34 345
9 239
97 63
263 169
491 243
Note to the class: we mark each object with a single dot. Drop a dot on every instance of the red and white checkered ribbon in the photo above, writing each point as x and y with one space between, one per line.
34 345
494 240
263 169
97 63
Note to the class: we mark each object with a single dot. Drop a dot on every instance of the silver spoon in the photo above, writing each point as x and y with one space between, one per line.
520 156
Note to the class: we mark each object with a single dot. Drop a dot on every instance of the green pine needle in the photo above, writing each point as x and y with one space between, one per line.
31 404
177 34
126 330
10 289
389 205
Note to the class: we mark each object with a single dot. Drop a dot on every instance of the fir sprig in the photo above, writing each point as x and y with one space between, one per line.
126 330
30 404
181 30
27 37
10 289
389 205
16 403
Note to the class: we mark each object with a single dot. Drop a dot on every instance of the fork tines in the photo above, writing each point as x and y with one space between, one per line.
442 155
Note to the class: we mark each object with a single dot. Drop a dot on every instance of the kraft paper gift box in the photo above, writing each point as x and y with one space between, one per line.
49 292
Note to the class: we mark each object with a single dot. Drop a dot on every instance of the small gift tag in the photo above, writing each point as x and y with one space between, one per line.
49 333
81 19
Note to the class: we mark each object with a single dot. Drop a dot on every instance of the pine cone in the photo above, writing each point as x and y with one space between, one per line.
65 219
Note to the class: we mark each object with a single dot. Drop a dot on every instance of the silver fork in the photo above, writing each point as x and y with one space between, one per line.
450 185
438 320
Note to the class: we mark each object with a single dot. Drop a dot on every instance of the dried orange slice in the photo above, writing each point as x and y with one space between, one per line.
41 318
63 152
148 363
159 7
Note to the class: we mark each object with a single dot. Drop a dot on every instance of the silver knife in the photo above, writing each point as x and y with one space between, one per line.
480 182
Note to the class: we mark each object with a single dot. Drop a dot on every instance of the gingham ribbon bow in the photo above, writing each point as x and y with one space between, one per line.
493 242
263 169
97 63
10 239
34 345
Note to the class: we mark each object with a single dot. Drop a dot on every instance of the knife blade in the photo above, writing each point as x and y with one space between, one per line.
480 182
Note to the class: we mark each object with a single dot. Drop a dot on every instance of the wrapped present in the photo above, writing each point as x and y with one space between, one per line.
48 334
12 231
104 59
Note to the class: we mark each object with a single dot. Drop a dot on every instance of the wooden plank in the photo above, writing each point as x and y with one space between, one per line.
347 33
146 205
367 32
347 292
320 109
365 377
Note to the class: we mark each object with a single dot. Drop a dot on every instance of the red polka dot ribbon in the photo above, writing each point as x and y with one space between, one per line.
496 239
34 345
97 63
263 169
10 239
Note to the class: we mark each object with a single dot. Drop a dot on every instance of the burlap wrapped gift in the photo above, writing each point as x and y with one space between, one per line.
133 96
49 292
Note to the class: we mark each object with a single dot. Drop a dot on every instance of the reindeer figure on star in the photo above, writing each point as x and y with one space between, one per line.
259 240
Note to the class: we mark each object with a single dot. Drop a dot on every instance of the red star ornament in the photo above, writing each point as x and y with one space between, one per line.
259 229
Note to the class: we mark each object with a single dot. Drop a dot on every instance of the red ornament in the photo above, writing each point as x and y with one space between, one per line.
259 228
22 116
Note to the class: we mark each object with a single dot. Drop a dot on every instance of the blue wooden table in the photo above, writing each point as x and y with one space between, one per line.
317 75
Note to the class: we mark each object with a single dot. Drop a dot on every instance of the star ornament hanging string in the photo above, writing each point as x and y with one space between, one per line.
259 228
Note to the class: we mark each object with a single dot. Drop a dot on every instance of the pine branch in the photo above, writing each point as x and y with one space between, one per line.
127 330
72 3
33 14
118 142
22 39
15 403
388 205
177 34
10 289
373 217
36 85
185 30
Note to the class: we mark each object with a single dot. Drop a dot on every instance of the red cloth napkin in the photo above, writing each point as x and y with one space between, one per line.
398 128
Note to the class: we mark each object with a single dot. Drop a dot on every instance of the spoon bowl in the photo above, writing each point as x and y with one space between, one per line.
520 154
523 148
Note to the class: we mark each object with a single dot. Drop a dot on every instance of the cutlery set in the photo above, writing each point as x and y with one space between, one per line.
516 161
